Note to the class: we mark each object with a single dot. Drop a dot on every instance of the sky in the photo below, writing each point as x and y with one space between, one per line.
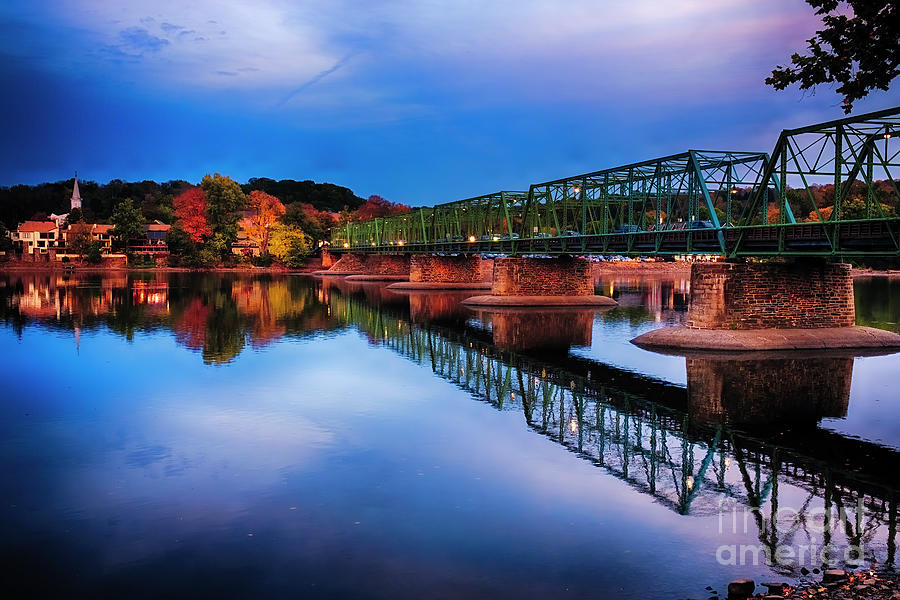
419 101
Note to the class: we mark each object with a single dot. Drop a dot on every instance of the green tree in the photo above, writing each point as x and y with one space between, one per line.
179 242
316 224
128 222
73 217
855 208
224 198
861 52
79 239
290 244
5 241
94 254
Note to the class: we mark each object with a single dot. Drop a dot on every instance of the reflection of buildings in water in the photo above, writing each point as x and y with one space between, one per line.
663 297
539 329
781 390
154 294
54 295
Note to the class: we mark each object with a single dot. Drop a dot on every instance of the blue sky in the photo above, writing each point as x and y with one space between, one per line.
420 101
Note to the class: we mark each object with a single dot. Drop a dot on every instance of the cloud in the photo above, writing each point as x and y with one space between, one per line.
411 56
140 40
169 27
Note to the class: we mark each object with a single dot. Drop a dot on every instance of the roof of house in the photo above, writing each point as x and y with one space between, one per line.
157 227
102 228
37 226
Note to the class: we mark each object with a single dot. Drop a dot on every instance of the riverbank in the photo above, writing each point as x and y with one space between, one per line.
833 584
10 267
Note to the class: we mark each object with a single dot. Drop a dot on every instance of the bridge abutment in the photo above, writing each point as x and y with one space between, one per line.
770 306
542 282
431 272
347 264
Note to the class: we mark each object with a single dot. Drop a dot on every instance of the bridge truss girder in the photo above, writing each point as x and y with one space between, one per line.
702 202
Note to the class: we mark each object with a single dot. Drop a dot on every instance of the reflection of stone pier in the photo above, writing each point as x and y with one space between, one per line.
437 307
774 391
531 330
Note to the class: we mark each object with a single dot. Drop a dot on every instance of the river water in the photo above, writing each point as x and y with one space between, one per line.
183 435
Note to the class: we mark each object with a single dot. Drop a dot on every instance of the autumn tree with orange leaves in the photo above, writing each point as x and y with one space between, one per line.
265 211
190 210
376 206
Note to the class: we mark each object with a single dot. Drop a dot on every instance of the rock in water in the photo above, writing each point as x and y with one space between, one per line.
741 588
832 575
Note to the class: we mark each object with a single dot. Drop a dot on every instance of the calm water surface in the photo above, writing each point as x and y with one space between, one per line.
233 436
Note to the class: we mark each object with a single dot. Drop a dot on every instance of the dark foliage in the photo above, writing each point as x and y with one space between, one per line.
859 51
21 202
323 196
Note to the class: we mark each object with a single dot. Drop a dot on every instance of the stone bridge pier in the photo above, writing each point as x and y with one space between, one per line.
770 306
435 272
542 282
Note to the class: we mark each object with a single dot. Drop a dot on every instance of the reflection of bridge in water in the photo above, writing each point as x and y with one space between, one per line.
691 450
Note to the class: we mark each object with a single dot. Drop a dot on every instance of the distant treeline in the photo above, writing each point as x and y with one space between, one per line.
22 202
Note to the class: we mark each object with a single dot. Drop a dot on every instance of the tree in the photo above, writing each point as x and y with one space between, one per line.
290 244
224 198
94 253
266 211
79 239
314 223
190 210
861 52
73 217
178 241
128 222
5 241
376 206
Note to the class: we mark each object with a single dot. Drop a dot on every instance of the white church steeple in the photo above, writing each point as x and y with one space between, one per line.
76 197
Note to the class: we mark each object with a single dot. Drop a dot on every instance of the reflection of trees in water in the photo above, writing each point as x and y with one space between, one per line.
214 314
877 301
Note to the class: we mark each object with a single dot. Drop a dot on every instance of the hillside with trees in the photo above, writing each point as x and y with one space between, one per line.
213 223
23 202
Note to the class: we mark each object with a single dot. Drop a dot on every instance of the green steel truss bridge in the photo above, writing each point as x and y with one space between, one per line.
602 414
829 189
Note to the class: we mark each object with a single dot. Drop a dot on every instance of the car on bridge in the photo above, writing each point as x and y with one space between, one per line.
627 229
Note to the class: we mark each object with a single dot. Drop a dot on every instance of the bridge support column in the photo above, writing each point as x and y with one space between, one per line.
542 282
384 267
770 306
429 272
